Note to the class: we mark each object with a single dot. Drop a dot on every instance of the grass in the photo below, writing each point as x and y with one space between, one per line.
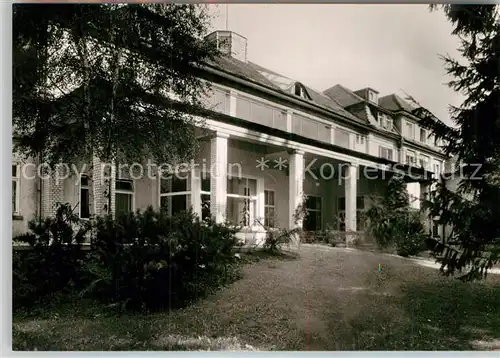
327 299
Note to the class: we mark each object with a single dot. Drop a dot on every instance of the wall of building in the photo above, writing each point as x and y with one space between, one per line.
28 191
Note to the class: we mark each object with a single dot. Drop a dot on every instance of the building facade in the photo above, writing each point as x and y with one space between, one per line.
269 145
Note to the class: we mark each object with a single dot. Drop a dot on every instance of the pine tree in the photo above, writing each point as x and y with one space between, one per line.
472 212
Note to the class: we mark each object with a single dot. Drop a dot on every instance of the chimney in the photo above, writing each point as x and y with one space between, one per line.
230 43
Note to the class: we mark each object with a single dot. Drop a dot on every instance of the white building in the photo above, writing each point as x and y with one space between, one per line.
271 140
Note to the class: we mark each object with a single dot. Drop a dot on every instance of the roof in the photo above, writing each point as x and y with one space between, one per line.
395 103
280 83
344 96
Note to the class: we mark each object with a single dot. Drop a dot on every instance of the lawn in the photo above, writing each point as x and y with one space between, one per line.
326 299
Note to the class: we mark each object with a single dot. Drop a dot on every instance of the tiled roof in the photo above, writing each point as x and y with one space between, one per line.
344 96
263 76
393 102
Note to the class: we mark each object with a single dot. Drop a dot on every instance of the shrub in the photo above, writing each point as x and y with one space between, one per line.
53 262
276 238
150 261
391 221
412 237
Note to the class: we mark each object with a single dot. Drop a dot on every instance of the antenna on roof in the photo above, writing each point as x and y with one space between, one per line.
227 17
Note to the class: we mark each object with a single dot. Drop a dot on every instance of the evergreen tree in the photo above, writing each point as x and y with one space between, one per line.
472 212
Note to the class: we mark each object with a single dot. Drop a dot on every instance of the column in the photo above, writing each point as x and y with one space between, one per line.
350 183
425 189
195 187
260 209
296 180
218 177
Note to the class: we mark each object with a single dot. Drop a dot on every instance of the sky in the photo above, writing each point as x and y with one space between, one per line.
390 48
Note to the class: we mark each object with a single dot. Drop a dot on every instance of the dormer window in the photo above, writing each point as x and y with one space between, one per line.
372 96
299 90
385 121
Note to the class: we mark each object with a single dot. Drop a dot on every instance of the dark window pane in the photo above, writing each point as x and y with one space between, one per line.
313 202
14 170
312 221
14 196
124 185
341 203
360 202
268 197
205 182
179 204
205 207
84 180
84 203
174 204
123 204
174 184
179 183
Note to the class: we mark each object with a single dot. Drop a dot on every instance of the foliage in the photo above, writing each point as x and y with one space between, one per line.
53 262
87 83
148 260
391 221
471 212
278 237
143 260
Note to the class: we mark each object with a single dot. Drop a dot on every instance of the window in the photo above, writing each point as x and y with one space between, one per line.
360 207
217 100
435 228
310 128
360 139
124 197
260 113
341 138
84 197
312 221
269 213
437 168
408 130
205 196
241 201
423 135
15 188
175 194
388 123
299 91
410 158
384 152
424 161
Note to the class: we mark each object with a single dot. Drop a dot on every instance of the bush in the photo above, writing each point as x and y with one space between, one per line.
391 221
150 261
411 238
276 238
53 262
